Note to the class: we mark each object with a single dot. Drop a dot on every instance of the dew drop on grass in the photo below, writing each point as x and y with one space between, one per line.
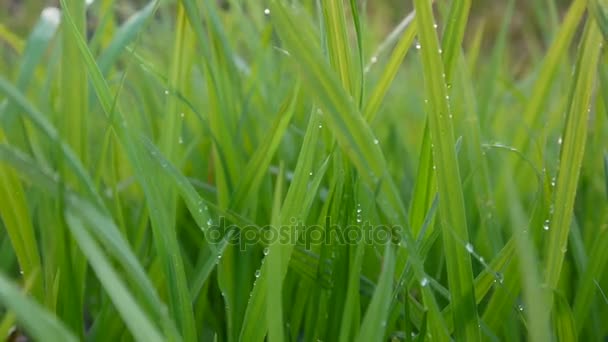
310 173
166 91
182 115
435 25
374 60
257 273
320 125
266 11
52 15
424 282
499 278
520 308
180 140
209 222
469 247
559 140
266 251
418 46
546 225
376 141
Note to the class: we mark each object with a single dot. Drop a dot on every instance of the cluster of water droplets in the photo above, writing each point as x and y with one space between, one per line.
359 210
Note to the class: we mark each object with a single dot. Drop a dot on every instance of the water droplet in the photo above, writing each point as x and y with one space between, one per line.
499 277
257 273
559 140
267 11
266 251
166 91
180 140
469 247
209 222
374 60
418 46
520 307
546 225
52 15
376 141
447 97
310 173
219 256
424 282
182 115
435 25
320 125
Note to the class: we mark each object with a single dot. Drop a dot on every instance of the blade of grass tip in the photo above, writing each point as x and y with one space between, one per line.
39 323
451 201
373 327
373 103
274 296
539 95
299 197
125 35
137 321
258 165
165 238
572 150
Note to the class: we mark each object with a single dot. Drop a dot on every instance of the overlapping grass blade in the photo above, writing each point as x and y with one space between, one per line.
39 323
451 201
573 147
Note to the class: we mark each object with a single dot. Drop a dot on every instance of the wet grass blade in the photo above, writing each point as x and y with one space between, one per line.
451 201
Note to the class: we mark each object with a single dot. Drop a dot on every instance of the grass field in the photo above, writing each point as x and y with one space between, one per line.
304 171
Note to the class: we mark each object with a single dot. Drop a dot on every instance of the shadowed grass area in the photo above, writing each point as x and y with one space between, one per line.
304 171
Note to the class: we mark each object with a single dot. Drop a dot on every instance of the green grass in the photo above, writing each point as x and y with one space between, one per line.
305 171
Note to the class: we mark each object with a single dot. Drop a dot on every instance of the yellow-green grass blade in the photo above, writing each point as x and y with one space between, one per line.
451 201
572 150
338 43
539 95
373 103
162 223
353 135
16 216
